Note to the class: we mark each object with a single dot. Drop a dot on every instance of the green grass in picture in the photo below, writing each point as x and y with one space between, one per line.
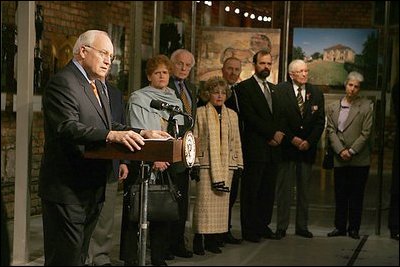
326 73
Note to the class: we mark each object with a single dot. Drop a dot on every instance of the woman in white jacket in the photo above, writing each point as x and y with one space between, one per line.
219 155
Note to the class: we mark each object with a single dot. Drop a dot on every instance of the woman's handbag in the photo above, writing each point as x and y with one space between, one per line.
162 200
327 162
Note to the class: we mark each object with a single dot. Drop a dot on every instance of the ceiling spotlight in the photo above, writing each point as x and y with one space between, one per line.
259 18
237 10
246 14
269 18
252 16
227 8
265 18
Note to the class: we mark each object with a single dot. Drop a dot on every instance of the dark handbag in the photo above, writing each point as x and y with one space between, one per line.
162 200
327 162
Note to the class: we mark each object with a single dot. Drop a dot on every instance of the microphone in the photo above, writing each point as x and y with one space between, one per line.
160 105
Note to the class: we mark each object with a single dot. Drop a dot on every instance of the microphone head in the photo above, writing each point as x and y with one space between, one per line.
157 104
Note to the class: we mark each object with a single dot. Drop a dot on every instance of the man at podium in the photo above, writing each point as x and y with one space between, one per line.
76 114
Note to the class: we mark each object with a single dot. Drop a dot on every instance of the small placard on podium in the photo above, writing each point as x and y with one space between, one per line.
153 150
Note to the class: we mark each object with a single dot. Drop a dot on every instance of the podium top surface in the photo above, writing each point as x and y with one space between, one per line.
153 150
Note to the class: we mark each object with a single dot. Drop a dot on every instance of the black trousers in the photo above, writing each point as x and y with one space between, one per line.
177 228
67 230
257 197
129 244
350 184
233 196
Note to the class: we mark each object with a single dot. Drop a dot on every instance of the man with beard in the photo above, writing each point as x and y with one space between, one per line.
261 140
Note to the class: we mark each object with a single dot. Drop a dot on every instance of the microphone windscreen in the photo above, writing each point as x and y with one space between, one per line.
157 104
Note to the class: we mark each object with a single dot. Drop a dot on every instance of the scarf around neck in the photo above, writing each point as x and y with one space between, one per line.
218 146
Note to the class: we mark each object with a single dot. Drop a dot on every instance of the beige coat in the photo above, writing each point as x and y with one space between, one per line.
217 158
357 133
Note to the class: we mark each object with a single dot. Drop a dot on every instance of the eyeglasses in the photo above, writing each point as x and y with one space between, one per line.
104 54
300 71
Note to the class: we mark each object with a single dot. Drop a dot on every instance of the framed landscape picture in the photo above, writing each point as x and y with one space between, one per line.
332 53
219 43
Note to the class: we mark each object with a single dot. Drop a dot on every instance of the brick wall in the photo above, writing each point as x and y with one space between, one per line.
65 19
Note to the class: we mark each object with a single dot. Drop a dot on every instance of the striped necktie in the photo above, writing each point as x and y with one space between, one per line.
183 97
300 101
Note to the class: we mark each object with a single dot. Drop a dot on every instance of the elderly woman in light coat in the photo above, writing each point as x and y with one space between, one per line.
219 155
349 129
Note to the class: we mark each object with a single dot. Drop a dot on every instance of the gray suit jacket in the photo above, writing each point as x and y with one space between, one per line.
357 132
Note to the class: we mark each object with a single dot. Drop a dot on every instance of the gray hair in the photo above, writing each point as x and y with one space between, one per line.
294 64
181 51
87 38
354 75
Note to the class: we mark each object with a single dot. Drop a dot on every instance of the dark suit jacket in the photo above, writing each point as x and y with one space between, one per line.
232 102
259 124
193 96
309 127
73 119
118 114
180 167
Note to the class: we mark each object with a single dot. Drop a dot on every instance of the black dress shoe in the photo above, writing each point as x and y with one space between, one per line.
251 238
304 233
183 253
336 232
213 249
230 239
354 234
268 234
279 234
169 257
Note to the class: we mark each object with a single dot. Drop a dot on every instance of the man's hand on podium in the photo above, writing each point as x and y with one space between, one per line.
133 141
154 134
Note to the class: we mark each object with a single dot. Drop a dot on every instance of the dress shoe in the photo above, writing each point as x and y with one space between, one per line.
394 236
304 233
183 253
213 249
230 239
169 257
336 232
279 234
211 244
268 234
251 238
354 234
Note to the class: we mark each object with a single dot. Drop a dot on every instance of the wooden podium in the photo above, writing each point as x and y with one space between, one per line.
153 150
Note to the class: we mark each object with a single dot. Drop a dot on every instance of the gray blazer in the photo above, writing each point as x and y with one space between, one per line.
357 133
